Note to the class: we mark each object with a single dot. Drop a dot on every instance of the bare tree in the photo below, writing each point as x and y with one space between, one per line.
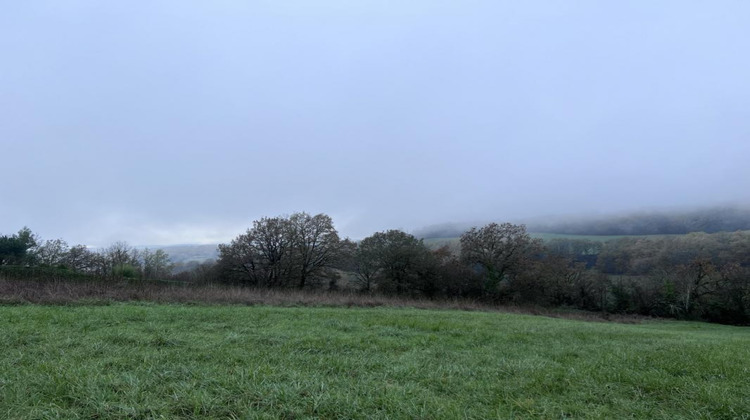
80 258
501 251
315 244
697 280
121 260
155 264
282 251
51 252
367 265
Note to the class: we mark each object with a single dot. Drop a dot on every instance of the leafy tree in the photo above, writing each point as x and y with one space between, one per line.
15 249
454 278
11 250
126 271
397 262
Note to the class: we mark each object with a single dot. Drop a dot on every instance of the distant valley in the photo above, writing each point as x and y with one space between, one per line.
191 253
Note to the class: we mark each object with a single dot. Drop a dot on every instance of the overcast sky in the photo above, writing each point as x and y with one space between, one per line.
159 122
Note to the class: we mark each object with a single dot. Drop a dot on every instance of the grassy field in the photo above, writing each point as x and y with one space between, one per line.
188 361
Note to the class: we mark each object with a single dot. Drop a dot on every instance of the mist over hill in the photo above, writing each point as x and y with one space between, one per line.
709 220
191 253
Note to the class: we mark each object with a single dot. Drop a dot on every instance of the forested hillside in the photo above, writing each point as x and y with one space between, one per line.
709 220
713 220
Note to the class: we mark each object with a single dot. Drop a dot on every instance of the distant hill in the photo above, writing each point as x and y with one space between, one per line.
709 220
191 253
445 230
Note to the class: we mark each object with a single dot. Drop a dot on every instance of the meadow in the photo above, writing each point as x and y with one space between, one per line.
148 360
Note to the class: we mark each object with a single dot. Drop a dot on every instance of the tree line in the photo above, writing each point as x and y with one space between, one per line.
25 250
695 276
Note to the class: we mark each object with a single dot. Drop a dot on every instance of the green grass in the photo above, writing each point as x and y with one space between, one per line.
182 361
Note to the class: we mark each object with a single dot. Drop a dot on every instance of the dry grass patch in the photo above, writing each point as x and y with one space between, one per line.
62 292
